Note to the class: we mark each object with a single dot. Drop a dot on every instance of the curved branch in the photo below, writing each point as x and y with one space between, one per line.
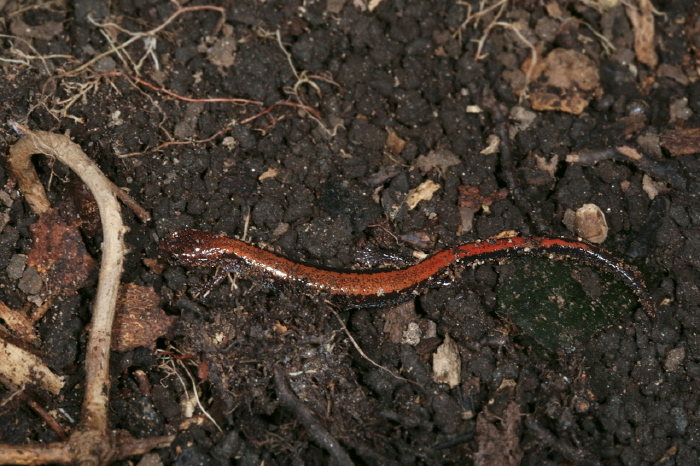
93 442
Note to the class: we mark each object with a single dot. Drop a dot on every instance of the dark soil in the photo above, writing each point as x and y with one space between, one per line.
333 195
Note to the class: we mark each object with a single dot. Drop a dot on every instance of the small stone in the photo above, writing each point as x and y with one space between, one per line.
674 359
15 268
30 283
590 223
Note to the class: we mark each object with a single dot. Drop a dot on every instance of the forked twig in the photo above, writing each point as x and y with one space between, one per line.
93 442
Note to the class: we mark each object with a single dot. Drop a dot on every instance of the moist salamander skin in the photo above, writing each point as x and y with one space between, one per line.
379 287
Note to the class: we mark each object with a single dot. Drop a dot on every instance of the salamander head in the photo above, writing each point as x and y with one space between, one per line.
191 247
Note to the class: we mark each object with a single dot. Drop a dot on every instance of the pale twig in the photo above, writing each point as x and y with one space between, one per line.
138 35
533 56
27 58
35 194
302 78
93 442
476 17
196 397
117 49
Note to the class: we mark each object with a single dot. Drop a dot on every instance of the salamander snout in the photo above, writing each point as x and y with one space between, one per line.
189 247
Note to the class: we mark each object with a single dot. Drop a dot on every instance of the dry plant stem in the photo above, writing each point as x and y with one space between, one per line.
92 442
24 172
138 35
363 354
19 367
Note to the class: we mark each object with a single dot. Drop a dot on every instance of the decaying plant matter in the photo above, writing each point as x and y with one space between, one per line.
92 442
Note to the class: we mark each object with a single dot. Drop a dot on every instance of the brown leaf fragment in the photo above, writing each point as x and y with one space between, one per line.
439 159
564 80
498 437
397 319
470 196
641 15
682 141
394 142
419 239
139 320
85 205
59 254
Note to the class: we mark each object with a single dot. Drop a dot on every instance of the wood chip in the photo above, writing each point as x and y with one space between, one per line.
19 323
641 15
19 367
139 320
447 363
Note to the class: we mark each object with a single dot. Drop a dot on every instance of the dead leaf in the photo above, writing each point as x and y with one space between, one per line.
419 239
423 192
440 159
394 143
139 320
471 197
397 318
447 363
564 80
641 15
498 437
59 254
682 141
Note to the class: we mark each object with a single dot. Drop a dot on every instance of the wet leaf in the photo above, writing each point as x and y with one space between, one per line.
550 306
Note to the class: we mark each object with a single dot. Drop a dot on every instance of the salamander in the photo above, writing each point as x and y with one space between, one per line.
380 287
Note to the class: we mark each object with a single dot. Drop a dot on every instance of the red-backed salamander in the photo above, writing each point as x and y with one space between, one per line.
379 287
